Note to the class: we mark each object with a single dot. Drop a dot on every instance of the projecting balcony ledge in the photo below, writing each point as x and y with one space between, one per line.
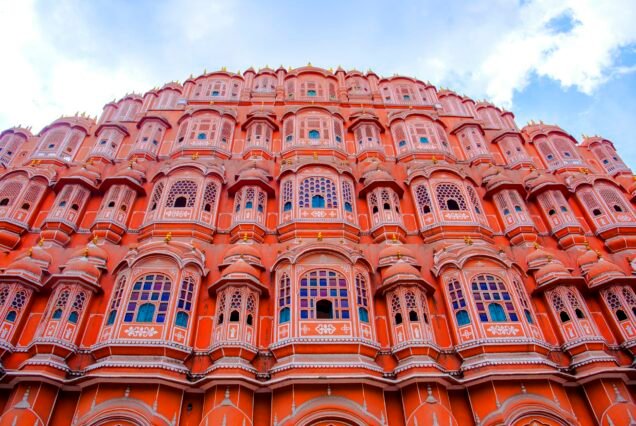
441 231
51 345
417 348
232 349
319 365
318 228
186 228
487 346
333 345
140 347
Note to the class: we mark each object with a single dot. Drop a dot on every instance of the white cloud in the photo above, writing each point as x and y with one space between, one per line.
495 56
66 58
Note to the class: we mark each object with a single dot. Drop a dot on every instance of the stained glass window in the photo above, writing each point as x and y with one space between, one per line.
153 290
323 285
490 290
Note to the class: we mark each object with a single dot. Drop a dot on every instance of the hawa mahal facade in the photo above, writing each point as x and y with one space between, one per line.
314 247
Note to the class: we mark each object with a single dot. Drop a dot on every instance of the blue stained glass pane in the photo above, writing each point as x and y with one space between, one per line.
303 314
496 296
128 317
161 318
344 303
455 306
506 296
134 296
137 286
313 282
460 294
483 286
333 292
487 296
345 314
462 303
343 293
313 292
303 292
323 282
132 306
513 317
163 307
147 286
303 282
483 317
144 296
155 296
165 297
180 304
188 306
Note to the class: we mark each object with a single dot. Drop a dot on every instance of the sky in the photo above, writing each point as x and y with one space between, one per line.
567 62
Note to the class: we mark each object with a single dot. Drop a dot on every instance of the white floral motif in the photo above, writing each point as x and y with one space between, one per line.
503 330
140 331
325 329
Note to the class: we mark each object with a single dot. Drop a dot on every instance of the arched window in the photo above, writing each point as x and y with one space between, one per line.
317 202
149 299
490 290
362 298
323 286
184 303
449 197
318 186
183 193
458 302
287 195
324 309
423 199
146 313
60 304
314 134
283 316
462 317
347 197
621 301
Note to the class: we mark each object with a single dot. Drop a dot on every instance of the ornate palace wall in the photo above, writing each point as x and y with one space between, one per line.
314 247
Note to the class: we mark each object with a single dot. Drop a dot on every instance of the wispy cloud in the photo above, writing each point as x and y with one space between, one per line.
70 55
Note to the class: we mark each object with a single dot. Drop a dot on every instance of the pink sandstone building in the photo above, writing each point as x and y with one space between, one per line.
314 247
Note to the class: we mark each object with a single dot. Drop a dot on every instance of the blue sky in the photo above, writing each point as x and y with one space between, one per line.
570 62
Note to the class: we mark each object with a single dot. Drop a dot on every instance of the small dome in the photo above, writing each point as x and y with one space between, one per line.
241 267
378 175
588 258
604 268
550 270
243 250
538 257
400 268
24 265
395 250
92 251
82 267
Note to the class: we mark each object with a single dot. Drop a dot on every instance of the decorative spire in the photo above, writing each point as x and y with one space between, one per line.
168 237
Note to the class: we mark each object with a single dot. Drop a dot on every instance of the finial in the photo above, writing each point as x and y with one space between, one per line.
315 155
94 239
245 237
394 238
308 64
399 254
30 252
195 155
85 252
468 240
536 245
434 159
41 241
168 237
319 238
224 69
